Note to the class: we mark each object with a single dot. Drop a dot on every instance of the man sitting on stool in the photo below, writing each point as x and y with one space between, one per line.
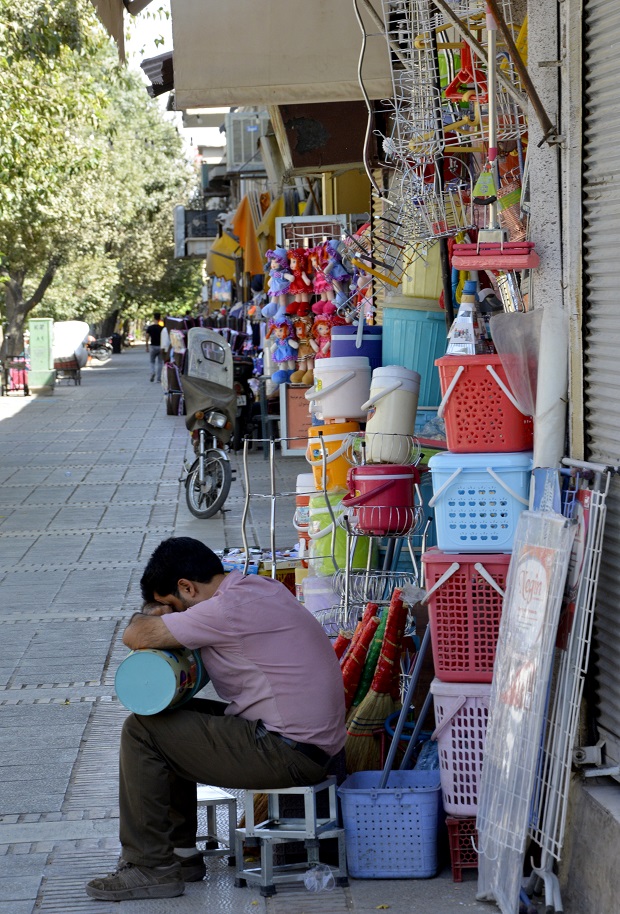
280 725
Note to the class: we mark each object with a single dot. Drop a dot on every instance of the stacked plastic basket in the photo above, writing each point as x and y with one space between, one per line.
480 486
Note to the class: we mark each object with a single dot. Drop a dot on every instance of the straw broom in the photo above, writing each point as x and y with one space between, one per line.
361 747
370 665
353 664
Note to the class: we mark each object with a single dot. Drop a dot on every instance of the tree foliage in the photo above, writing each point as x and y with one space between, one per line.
89 174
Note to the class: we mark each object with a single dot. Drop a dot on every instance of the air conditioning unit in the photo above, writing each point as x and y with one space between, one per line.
243 129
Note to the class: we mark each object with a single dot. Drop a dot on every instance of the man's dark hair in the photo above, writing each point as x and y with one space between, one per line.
175 558
157 315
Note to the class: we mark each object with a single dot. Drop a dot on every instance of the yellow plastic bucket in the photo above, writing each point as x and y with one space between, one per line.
335 439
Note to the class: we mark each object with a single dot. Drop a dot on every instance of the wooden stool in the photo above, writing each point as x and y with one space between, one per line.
212 797
279 828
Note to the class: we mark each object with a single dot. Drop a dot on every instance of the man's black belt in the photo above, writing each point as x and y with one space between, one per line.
319 756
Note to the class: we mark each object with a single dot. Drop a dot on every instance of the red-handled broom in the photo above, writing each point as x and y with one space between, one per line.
362 749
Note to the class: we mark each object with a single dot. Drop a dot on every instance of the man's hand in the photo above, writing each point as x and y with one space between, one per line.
146 631
157 609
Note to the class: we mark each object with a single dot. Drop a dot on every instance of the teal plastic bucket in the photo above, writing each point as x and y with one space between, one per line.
150 681
414 339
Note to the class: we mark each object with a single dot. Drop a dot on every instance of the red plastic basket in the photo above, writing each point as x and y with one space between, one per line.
479 408
464 612
463 838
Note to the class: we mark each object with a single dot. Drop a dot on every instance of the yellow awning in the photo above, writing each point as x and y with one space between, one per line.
266 229
243 227
221 257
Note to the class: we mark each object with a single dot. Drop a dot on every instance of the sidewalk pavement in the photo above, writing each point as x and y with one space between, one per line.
89 485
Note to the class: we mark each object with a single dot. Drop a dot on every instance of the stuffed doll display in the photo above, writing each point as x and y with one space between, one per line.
336 270
301 284
320 336
283 351
305 352
280 279
322 284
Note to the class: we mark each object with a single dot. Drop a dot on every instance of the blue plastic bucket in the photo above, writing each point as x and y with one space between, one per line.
413 338
150 681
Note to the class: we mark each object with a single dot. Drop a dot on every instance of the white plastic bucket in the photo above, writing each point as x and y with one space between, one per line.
341 385
392 408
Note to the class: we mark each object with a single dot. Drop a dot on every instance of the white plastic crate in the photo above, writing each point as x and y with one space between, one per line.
461 715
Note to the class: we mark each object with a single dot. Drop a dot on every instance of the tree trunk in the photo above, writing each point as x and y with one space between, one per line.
18 309
13 342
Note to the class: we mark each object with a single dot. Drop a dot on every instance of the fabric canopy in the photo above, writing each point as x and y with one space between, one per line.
221 257
243 227
266 229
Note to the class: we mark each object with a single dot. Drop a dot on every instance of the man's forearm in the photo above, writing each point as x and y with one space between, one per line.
146 631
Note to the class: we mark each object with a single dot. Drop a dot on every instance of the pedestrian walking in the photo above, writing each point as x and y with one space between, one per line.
153 346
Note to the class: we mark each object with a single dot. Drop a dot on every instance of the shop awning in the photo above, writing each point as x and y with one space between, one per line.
266 229
222 256
245 230
245 53
159 71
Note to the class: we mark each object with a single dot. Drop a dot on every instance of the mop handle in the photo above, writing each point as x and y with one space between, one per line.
487 577
510 491
505 389
402 717
435 497
454 567
452 385
416 732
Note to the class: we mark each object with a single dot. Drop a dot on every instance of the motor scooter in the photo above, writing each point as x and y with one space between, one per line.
243 369
210 406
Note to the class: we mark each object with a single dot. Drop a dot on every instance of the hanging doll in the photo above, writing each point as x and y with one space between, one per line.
280 279
322 285
283 352
320 336
361 287
301 285
337 272
305 352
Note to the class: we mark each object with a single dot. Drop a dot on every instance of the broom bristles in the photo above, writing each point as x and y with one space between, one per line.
362 748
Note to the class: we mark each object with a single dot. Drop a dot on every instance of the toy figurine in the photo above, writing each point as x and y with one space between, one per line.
283 353
320 336
305 352
362 290
336 271
322 285
301 285
279 283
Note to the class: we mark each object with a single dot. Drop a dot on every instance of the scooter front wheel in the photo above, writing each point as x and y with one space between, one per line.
206 500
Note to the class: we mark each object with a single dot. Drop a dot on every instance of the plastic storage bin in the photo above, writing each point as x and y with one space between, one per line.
461 714
478 499
464 612
391 833
416 339
463 837
344 343
479 408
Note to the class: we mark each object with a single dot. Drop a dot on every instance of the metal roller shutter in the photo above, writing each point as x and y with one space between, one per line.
601 262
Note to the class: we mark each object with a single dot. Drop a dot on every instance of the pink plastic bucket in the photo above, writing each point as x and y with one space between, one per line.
381 498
